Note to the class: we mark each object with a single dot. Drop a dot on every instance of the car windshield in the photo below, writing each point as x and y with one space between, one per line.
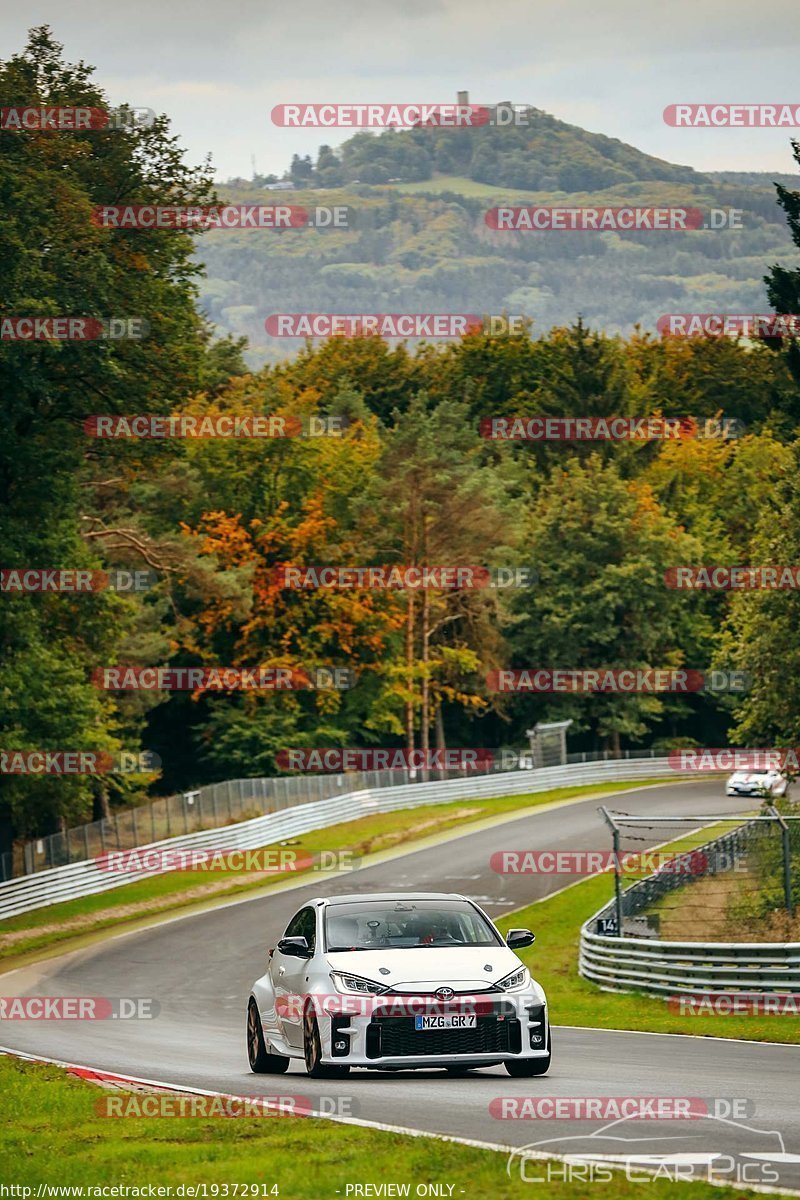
401 924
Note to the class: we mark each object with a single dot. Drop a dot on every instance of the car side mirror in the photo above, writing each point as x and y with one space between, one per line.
517 938
294 947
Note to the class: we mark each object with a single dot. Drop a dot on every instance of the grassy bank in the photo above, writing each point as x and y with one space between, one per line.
56 1138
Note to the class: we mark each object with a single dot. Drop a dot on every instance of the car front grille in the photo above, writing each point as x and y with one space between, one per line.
396 1037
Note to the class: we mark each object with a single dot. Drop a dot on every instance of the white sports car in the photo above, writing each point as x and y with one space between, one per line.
765 782
393 981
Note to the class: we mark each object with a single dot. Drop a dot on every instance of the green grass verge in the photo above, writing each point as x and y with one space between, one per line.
53 1135
177 890
553 961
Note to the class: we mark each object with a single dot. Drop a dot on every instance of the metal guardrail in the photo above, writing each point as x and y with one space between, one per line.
88 877
659 968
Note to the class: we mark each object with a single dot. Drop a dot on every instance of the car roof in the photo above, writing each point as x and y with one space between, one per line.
361 897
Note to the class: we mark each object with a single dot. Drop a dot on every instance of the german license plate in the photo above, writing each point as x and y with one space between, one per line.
446 1021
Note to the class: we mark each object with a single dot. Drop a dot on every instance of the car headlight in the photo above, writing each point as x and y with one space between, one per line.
345 982
517 979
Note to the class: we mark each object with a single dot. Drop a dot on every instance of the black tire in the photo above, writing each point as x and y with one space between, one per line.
261 1061
312 1051
524 1068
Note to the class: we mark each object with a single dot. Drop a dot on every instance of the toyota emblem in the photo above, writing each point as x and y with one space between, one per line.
444 993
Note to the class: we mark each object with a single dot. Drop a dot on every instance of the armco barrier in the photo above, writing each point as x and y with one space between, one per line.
87 878
669 968
631 964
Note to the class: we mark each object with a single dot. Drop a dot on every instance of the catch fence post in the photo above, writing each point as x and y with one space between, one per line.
787 860
617 880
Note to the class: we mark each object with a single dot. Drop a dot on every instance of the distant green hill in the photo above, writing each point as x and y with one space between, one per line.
544 154
421 243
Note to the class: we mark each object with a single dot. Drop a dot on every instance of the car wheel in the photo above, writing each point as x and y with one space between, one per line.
524 1068
312 1051
261 1061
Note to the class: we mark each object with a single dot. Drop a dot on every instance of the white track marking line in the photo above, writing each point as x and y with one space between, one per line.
705 1037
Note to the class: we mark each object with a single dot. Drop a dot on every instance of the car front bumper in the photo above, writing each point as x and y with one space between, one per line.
505 1028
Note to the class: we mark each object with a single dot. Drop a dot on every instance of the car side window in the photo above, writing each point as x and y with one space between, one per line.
293 928
303 924
309 929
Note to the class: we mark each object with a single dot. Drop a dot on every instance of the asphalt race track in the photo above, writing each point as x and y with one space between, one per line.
199 968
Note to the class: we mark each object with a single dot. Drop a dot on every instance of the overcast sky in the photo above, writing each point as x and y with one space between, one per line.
218 68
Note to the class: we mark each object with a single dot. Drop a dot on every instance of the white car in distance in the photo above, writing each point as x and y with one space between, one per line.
764 782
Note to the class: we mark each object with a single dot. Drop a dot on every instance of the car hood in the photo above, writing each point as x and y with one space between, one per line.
427 968
748 778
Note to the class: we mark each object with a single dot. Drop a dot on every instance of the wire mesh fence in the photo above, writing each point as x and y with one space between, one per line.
209 807
740 885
